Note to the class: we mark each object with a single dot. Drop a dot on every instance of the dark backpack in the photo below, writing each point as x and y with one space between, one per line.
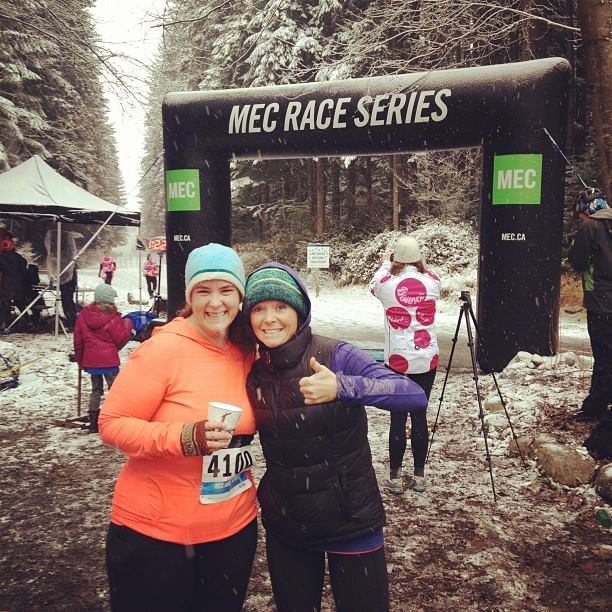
589 201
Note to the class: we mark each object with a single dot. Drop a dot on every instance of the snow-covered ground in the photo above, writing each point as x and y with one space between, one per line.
349 313
449 548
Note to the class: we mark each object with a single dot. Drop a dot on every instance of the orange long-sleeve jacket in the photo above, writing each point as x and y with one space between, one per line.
167 382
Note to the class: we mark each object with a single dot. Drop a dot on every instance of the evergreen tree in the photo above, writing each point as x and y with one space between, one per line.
51 98
266 42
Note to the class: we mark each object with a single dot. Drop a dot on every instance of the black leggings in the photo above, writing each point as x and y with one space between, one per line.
418 429
67 295
148 575
359 581
151 284
600 333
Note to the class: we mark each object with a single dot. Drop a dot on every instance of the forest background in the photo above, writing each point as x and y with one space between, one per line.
53 65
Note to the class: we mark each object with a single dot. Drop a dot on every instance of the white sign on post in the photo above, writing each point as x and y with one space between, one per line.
317 255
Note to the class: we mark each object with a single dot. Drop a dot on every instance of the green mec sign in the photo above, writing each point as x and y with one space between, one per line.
183 190
517 179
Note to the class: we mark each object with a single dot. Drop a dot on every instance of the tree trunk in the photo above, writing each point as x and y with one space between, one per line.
260 223
334 177
367 175
350 191
299 179
570 54
320 222
289 181
394 165
596 26
312 194
409 177
264 195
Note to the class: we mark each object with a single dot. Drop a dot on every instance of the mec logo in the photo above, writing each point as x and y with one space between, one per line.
183 190
517 179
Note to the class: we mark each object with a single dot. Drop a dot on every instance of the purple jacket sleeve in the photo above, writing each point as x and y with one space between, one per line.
362 379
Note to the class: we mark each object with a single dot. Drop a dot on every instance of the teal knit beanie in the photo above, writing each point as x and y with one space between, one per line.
104 294
213 262
274 284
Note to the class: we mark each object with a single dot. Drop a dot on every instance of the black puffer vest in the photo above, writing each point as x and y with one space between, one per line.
319 486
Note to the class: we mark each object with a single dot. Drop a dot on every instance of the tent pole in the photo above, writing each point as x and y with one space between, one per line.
58 251
159 279
139 277
58 292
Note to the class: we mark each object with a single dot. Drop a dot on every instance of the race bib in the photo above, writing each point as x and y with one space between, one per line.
224 474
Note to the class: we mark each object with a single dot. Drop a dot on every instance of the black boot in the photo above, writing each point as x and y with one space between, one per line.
591 410
93 420
599 443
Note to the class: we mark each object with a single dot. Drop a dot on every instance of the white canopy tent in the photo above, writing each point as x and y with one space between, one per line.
35 190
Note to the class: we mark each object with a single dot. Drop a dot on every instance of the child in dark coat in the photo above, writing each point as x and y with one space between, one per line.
99 333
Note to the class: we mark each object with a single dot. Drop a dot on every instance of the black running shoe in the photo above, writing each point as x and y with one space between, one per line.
582 416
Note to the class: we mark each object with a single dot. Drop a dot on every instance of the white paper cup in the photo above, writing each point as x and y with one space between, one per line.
226 413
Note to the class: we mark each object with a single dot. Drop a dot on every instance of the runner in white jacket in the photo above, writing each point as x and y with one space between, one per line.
408 293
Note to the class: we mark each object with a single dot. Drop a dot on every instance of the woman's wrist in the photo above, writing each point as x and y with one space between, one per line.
193 439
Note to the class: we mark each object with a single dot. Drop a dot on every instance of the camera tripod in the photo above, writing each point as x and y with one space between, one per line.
467 313
159 305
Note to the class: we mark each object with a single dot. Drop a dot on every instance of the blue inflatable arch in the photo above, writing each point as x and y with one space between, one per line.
504 109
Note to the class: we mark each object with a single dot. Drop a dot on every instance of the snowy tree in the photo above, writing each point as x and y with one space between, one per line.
152 192
183 58
51 98
266 42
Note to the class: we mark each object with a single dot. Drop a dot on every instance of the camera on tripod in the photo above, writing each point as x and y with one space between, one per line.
465 297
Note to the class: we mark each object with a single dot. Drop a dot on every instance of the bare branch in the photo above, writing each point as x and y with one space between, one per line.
214 9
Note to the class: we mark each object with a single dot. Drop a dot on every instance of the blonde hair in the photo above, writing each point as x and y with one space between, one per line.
106 307
398 267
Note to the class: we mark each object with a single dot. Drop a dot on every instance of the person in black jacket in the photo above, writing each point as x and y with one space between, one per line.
591 254
13 279
319 496
68 280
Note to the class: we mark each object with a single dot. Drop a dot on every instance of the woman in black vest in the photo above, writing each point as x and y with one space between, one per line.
319 495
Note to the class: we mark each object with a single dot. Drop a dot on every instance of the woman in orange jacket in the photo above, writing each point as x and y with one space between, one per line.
183 527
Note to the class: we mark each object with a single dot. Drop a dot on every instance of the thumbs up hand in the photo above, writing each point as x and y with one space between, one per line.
321 387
